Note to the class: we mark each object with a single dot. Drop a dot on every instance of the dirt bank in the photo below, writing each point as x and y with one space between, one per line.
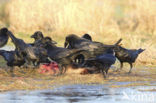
28 79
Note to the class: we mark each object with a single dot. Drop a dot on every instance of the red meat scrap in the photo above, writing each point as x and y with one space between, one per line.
49 68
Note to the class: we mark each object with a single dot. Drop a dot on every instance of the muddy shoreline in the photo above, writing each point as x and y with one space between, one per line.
28 79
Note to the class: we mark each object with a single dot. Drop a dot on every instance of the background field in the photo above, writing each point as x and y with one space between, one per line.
105 20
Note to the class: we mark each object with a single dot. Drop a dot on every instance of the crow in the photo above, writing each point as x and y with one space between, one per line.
94 48
127 55
87 36
12 58
38 35
31 54
43 41
102 62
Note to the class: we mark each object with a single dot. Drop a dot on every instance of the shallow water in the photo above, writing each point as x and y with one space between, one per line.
82 93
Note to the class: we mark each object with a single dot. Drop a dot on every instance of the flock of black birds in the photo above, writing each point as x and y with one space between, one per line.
77 52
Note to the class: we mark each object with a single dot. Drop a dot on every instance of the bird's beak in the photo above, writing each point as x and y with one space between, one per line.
33 36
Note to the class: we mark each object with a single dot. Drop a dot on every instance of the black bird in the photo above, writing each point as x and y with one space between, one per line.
87 36
102 62
31 54
43 41
127 55
12 58
38 35
94 48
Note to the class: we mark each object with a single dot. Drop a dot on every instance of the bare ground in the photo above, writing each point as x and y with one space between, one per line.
29 79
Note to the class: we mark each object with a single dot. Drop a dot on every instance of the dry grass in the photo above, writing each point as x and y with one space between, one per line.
105 20
96 16
61 16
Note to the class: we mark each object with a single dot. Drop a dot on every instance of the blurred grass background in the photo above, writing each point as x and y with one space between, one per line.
105 20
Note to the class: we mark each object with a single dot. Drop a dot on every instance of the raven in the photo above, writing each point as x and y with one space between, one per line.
127 55
38 35
94 48
39 38
12 58
102 62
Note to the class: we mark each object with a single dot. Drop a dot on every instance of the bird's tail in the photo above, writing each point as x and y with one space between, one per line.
117 43
3 37
2 52
13 38
140 50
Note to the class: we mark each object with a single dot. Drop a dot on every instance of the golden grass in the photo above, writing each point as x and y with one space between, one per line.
95 17
62 16
105 20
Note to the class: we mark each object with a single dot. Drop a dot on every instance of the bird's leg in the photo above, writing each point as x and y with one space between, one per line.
104 73
104 70
107 68
64 69
131 66
33 65
21 69
12 71
27 63
60 69
6 70
121 66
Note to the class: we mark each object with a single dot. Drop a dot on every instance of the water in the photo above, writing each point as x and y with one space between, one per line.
82 94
